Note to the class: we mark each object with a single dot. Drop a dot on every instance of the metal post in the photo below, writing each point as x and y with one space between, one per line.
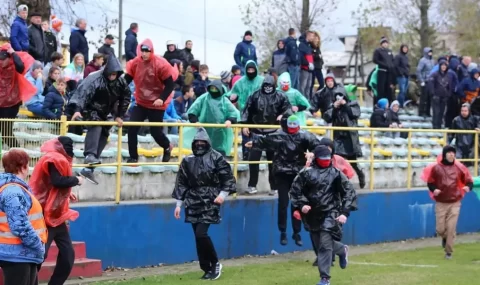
180 143
475 167
409 168
120 28
235 155
118 186
372 144
63 125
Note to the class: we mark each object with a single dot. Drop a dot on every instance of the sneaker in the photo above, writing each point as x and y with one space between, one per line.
206 276
298 239
217 271
283 239
251 190
324 281
273 192
448 256
444 242
167 154
92 160
132 160
343 261
88 175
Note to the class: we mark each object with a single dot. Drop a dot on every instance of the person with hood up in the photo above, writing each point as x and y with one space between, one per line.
154 79
379 118
297 100
78 41
186 54
94 65
24 232
453 63
93 100
19 30
245 51
345 113
448 180
424 67
246 86
469 88
289 145
325 197
14 88
464 142
214 108
51 183
322 99
279 58
172 52
306 64
204 180
383 58
442 85
402 67
264 107
131 42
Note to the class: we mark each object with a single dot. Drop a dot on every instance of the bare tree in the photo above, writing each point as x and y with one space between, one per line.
270 20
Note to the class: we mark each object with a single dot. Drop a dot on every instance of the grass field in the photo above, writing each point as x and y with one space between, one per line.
423 266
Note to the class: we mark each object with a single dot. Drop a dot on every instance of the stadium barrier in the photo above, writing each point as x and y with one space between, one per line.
51 128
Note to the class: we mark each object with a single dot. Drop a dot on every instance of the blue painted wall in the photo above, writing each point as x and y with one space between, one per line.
132 235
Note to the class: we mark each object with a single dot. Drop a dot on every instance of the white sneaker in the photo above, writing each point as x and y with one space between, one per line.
217 272
251 190
273 192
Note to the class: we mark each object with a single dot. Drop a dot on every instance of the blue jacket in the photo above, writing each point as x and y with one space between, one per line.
78 44
131 44
19 35
16 204
54 104
469 84
305 52
171 113
181 105
436 81
200 86
291 51
38 83
244 52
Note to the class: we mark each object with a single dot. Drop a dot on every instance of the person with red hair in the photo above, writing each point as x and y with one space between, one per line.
22 226
154 79
52 183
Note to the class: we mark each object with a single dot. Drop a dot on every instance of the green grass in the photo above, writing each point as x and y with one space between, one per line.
463 269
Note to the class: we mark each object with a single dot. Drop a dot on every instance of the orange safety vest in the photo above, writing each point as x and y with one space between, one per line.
35 216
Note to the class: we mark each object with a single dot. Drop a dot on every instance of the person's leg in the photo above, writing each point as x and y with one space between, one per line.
92 140
17 273
51 236
139 114
451 226
308 87
36 109
360 174
437 116
254 169
324 255
209 253
7 127
271 176
304 86
283 189
156 116
65 258
245 150
33 280
315 239
103 141
319 76
402 86
440 221
382 83
202 259
294 74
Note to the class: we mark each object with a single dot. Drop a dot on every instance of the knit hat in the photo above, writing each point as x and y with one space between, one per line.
248 33
56 23
383 40
21 8
394 103
36 65
293 122
322 152
382 103
225 74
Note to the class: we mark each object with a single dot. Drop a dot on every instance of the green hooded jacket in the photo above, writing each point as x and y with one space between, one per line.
245 87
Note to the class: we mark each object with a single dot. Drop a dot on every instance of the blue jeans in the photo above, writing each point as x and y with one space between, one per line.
403 86
294 71
36 108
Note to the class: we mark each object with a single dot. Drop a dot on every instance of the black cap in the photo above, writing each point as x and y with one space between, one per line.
145 48
322 152
109 37
248 33
35 14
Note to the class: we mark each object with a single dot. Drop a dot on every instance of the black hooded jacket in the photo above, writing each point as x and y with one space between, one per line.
329 193
289 149
263 109
402 66
323 98
464 142
200 179
96 96
383 57
56 179
176 54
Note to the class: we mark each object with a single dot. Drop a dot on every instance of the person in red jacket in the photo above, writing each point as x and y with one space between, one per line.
94 65
154 79
448 180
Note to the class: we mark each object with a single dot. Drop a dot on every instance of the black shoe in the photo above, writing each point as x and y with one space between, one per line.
132 160
217 271
88 175
315 263
283 239
92 160
298 239
361 180
206 276
444 242
167 154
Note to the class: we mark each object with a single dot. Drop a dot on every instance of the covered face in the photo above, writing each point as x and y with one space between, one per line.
215 89
201 143
323 156
268 85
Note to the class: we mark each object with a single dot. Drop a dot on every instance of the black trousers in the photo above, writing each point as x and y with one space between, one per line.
7 127
354 165
425 103
284 182
327 247
19 273
384 89
317 74
256 155
439 105
207 256
453 110
140 114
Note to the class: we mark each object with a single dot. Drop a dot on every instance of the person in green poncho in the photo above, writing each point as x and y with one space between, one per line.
297 100
214 108
245 87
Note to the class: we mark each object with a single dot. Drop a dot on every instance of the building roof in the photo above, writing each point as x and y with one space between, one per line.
339 58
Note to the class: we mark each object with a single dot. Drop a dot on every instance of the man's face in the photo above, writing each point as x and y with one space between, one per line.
204 73
99 61
109 42
443 67
146 55
466 60
464 112
310 37
83 25
113 76
450 156
45 26
171 48
248 38
385 44
23 14
330 83
189 45
37 20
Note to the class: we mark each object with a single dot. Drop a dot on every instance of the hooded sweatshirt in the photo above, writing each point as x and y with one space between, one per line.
402 66
279 59
443 83
425 65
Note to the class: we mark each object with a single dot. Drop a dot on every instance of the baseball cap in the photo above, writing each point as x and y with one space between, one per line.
109 37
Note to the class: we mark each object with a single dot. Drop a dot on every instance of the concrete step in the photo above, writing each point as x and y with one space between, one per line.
84 267
79 247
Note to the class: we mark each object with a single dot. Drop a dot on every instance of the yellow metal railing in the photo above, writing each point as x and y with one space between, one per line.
62 127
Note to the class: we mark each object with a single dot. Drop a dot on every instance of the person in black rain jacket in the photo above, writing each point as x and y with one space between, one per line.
326 197
464 142
204 180
323 98
264 107
98 95
290 145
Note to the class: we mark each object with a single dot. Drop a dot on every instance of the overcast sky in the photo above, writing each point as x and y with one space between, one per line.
181 20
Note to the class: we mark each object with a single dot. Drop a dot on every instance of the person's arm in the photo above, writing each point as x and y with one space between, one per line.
315 103
420 68
192 118
378 60
39 85
228 184
128 78
47 107
12 200
59 181
181 184
268 142
237 55
297 198
14 37
74 43
329 114
169 84
19 65
348 194
285 105
246 111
